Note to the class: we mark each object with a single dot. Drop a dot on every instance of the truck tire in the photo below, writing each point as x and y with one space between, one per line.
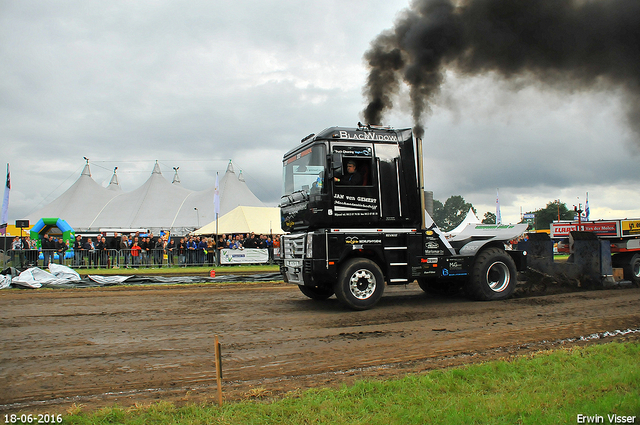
494 275
318 293
632 269
360 284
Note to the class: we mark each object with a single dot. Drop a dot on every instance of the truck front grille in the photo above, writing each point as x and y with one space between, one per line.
294 246
293 250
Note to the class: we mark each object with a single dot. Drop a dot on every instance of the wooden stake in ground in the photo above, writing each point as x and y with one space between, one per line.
218 370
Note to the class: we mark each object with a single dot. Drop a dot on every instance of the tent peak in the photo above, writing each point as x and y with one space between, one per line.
176 177
230 167
240 176
156 169
114 178
86 171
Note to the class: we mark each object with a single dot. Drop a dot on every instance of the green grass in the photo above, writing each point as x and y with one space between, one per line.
550 387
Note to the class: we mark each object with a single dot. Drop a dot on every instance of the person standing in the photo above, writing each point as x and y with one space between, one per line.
101 250
182 252
124 250
31 245
211 251
47 248
202 248
77 251
61 249
135 253
90 249
158 252
171 246
114 244
16 249
192 247
144 251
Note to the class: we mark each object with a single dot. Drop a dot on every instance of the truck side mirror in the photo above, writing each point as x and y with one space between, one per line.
336 165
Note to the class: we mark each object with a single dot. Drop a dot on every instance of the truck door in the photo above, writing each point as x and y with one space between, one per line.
388 168
355 190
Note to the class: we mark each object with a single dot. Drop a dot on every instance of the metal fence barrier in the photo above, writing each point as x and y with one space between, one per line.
109 258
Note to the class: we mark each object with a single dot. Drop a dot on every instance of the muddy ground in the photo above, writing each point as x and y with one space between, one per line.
98 347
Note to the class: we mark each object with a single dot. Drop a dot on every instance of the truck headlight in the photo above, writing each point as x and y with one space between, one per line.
309 249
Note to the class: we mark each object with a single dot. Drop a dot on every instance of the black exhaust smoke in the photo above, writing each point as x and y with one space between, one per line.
565 44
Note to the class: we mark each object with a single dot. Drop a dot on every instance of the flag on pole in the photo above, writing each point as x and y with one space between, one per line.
586 208
216 198
498 215
5 203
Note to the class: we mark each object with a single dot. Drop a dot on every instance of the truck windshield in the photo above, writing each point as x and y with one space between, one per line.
304 171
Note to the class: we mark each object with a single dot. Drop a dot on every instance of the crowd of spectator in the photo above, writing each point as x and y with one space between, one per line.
135 250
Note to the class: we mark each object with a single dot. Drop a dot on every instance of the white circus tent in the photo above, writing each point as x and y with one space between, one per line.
79 204
156 205
259 220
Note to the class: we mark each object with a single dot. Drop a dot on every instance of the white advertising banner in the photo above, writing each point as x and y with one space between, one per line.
244 256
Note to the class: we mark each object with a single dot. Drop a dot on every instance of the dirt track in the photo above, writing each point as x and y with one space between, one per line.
96 347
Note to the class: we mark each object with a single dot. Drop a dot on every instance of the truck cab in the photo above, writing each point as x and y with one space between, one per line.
318 192
353 203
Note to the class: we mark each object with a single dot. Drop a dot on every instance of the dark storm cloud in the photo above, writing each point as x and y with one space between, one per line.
565 44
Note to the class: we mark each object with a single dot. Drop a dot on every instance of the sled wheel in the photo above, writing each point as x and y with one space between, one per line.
360 284
319 293
632 270
494 275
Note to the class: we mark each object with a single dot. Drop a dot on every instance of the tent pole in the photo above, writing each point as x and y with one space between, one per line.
217 247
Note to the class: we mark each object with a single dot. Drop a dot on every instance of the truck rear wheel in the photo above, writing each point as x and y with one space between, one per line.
360 284
632 269
494 275
316 292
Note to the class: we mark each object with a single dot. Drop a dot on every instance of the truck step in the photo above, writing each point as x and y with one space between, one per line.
398 280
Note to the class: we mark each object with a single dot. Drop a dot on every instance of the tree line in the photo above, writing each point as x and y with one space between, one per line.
449 215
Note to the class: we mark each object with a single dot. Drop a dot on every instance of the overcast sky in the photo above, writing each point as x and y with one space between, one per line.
195 84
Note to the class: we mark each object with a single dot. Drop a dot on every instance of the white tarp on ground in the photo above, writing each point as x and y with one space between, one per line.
108 280
63 272
41 279
5 281
35 277
259 220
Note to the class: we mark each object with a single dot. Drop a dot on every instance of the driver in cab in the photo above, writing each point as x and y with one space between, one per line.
352 178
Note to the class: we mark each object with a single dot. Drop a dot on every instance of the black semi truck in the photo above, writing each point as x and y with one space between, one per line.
354 210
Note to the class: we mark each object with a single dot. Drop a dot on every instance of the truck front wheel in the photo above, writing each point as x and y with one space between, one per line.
360 284
494 275
316 293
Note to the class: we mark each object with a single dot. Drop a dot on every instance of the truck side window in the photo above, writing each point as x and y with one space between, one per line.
357 172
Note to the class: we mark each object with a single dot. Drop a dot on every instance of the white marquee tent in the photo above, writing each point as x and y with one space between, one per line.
259 220
156 205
